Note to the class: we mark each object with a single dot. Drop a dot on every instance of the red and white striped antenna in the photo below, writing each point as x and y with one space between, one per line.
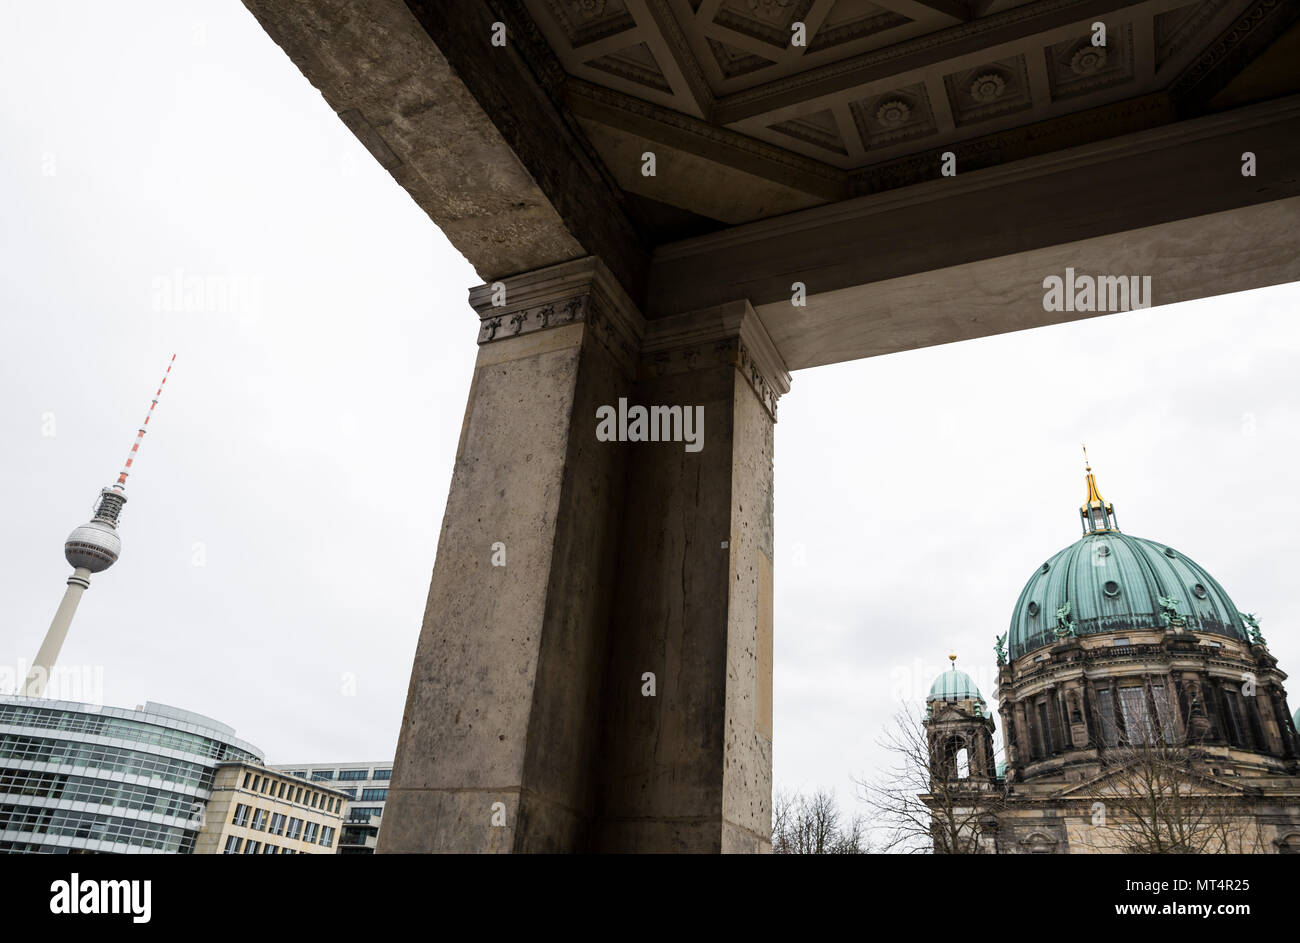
139 437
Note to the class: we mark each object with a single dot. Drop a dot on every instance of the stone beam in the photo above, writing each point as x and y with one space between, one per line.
416 83
1108 189
1235 250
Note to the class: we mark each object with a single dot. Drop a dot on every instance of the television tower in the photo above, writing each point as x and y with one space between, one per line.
90 548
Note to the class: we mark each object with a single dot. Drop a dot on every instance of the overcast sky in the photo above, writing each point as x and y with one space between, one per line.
303 448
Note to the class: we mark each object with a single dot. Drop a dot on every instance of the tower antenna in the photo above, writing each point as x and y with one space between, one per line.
91 548
120 485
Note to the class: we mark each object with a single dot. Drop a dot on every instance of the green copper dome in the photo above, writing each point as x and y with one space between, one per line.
1115 583
1109 582
954 685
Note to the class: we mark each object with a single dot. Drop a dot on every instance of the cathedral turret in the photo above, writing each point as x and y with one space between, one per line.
959 728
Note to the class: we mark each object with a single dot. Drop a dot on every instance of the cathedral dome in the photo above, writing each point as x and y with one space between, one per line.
1112 582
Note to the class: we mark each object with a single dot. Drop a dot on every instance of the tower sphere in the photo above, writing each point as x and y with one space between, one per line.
94 546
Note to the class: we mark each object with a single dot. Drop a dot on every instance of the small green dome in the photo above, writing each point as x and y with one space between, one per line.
1114 583
1002 769
954 685
1296 719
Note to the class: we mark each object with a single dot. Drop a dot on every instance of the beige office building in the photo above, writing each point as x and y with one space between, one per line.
258 811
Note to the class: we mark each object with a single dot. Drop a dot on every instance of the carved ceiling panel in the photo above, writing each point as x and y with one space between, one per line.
874 80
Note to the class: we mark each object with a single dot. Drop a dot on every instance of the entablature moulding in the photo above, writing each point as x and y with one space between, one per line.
584 291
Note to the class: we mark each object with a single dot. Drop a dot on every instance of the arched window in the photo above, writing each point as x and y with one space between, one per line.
963 763
1038 844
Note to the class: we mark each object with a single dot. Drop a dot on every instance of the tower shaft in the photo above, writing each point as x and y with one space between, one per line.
43 666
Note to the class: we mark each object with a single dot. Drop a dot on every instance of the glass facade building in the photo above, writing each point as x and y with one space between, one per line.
365 785
82 778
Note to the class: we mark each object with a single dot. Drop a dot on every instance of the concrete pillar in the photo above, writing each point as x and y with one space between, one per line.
501 717
689 770
528 724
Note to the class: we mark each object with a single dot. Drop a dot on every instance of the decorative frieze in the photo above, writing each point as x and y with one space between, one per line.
582 291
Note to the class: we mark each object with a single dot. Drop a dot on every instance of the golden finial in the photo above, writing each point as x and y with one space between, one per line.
953 659
1086 465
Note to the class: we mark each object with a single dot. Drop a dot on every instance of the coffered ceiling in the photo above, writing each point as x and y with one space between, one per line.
751 124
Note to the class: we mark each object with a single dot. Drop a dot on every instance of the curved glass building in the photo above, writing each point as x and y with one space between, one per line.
80 778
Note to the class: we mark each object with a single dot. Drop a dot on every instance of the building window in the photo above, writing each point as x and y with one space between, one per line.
268 849
298 796
1236 731
351 793
259 820
252 847
280 795
352 775
310 831
322 775
247 777
327 837
295 829
241 815
374 795
232 845
1164 718
1045 726
1106 711
1137 720
277 823
301 774
383 774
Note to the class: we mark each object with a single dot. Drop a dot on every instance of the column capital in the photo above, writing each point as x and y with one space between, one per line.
732 330
580 291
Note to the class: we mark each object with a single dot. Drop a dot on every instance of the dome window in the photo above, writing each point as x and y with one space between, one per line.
1033 608
1169 552
1046 567
1110 588
1102 550
1199 591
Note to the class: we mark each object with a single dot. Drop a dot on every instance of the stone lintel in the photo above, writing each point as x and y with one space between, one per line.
964 257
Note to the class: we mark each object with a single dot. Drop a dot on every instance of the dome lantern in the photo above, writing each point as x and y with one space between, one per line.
1097 514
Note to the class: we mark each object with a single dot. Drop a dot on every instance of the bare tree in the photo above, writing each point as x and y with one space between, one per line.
813 825
1154 796
920 813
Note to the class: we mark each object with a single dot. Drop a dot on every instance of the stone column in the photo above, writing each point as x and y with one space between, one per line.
1023 736
502 716
532 722
690 768
1010 738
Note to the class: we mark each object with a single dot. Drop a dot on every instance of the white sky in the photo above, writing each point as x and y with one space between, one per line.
307 434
